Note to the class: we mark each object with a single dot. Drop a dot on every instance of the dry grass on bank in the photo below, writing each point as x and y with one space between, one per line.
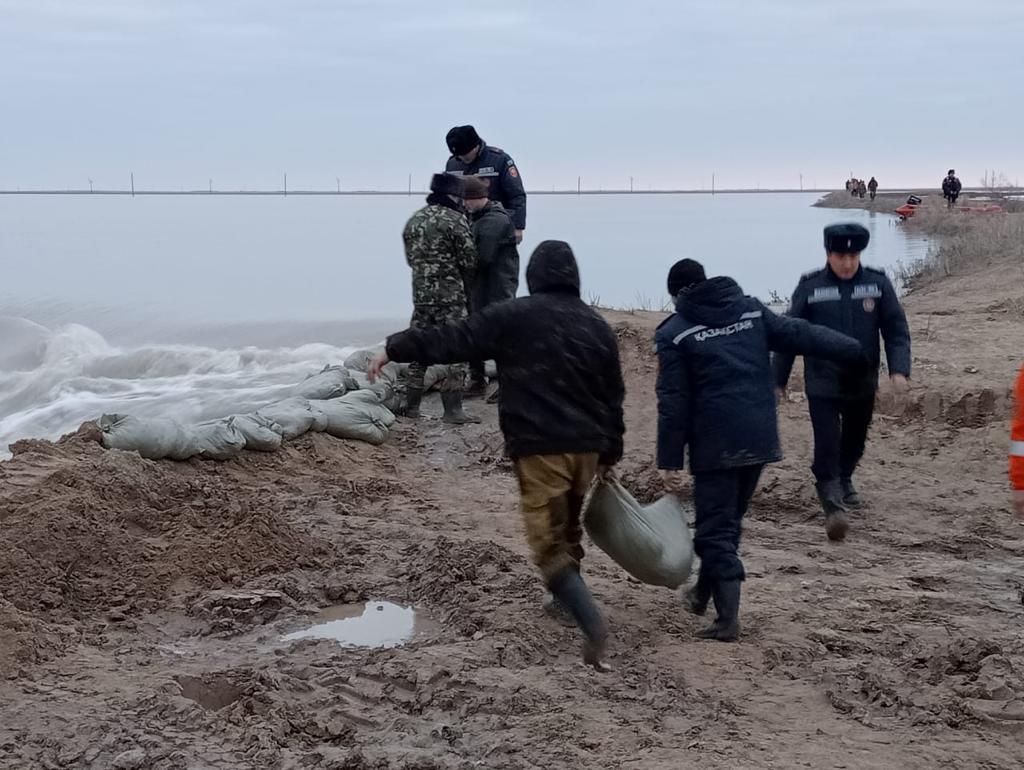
968 242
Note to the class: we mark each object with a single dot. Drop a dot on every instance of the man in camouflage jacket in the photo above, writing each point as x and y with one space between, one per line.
439 248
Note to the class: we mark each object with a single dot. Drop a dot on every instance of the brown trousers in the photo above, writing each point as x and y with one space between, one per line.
552 488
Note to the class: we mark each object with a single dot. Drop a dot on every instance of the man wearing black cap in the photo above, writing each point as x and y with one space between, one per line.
440 250
471 156
861 302
560 411
951 188
715 398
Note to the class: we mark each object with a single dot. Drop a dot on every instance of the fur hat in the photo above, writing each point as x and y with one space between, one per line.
846 238
447 184
475 187
684 274
462 140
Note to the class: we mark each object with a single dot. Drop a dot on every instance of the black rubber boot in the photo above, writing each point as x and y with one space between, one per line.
726 627
697 596
411 409
850 497
830 494
453 412
568 588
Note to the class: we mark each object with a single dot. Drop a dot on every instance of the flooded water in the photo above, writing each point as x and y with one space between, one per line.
196 307
373 624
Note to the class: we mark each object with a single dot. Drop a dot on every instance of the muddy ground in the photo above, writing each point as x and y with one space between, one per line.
142 603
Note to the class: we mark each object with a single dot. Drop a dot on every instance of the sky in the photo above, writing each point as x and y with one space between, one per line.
360 93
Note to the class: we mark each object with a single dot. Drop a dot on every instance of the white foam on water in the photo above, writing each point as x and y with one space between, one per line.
52 380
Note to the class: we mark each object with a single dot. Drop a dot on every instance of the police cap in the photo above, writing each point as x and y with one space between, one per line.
846 238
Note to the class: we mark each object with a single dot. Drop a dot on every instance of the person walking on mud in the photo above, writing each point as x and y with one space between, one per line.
861 302
951 188
471 156
497 274
715 397
560 411
439 248
873 188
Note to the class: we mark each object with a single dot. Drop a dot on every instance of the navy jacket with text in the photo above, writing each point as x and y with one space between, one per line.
861 307
716 392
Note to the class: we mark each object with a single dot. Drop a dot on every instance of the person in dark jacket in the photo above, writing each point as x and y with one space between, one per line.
873 187
861 302
951 188
560 411
497 268
716 398
472 156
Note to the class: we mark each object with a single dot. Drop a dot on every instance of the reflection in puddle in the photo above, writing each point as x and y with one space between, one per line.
374 624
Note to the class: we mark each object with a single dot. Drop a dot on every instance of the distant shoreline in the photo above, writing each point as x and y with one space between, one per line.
405 193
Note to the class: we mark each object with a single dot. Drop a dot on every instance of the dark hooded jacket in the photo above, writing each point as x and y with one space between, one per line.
716 392
558 362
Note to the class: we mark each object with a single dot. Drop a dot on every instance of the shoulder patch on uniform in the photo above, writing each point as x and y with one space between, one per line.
512 170
812 273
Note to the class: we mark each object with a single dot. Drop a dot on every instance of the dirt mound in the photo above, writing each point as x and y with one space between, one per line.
91 531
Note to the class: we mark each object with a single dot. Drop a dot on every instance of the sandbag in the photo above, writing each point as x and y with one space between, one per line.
359 416
332 382
651 542
293 415
261 434
218 440
153 439
385 391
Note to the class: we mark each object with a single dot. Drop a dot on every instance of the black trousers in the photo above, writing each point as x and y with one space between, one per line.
840 432
721 499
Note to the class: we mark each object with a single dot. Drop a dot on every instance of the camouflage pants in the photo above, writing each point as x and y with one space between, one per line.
429 317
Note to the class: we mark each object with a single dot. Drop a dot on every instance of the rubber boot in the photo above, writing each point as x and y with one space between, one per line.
850 497
557 611
696 598
453 412
568 588
413 397
726 627
830 494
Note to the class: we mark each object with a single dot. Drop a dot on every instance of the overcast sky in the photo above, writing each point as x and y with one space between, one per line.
755 91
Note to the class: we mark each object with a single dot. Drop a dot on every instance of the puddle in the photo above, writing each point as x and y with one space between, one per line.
212 694
373 624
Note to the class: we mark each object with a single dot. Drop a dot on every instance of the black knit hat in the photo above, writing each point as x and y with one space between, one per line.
447 184
846 238
684 274
462 140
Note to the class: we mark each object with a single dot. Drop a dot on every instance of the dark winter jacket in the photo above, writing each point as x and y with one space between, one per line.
860 307
558 362
497 274
716 393
500 171
951 186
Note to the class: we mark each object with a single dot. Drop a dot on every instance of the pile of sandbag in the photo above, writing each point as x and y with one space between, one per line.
341 403
652 542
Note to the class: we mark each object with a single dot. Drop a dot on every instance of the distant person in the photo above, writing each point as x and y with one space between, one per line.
560 412
439 248
1017 446
497 273
861 189
873 187
716 400
471 156
853 187
951 188
861 302
849 184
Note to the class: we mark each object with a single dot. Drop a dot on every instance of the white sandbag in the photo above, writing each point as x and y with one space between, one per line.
651 542
358 416
154 439
490 369
218 440
261 434
332 382
294 415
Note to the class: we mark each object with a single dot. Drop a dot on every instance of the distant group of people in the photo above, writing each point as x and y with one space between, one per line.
561 390
858 188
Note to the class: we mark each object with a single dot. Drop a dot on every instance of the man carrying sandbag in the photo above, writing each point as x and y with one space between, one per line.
716 396
560 411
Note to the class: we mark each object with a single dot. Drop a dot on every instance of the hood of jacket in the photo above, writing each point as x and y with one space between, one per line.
553 269
715 302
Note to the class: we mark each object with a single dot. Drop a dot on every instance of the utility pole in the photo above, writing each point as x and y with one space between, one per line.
133 184
631 184
90 185
712 184
410 185
579 185
285 184
801 183
338 180
211 186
